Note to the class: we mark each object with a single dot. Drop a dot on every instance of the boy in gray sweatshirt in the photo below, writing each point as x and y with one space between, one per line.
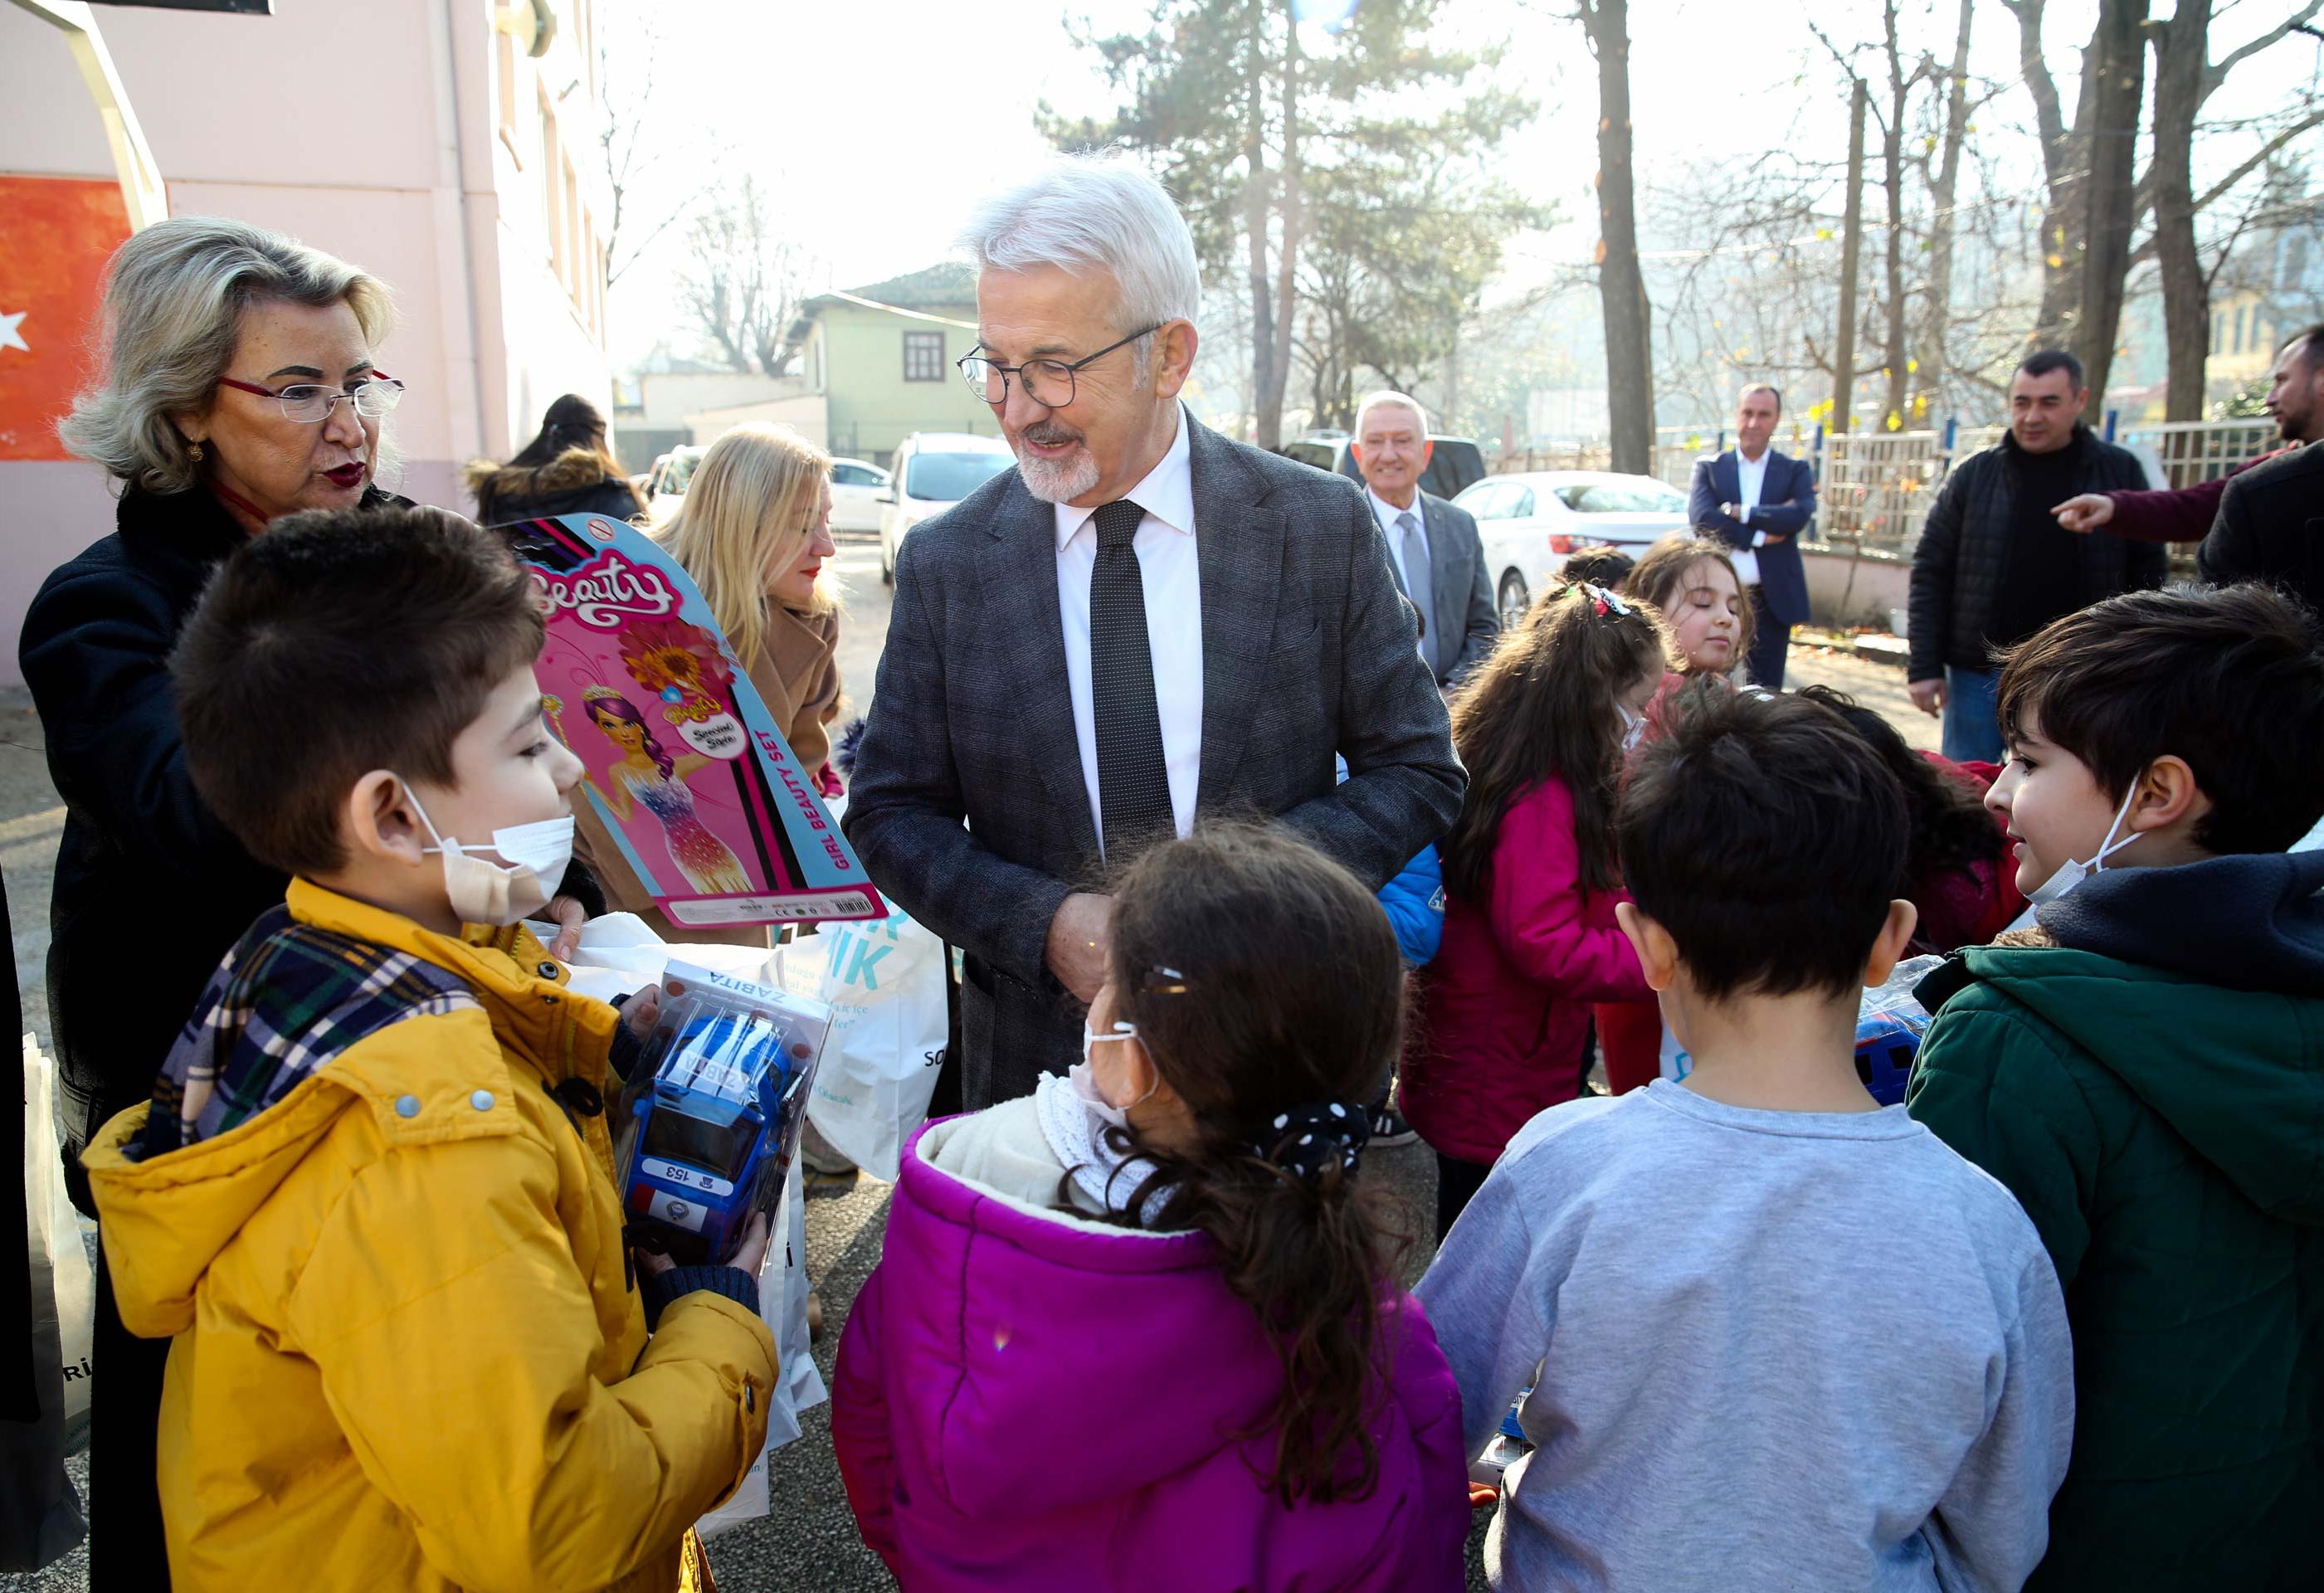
1777 1335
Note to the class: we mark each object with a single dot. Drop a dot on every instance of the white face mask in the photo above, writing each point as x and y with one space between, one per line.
1083 1081
537 855
2071 872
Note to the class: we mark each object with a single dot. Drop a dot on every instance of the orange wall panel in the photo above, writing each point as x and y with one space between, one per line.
56 234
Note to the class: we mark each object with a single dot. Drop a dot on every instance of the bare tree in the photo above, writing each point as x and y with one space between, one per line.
745 279
2068 150
2184 77
1895 362
651 192
1844 372
1621 283
1944 190
2118 64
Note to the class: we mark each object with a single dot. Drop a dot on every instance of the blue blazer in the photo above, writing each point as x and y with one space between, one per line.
1787 503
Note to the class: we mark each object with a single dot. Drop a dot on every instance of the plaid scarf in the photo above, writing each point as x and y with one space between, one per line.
287 1000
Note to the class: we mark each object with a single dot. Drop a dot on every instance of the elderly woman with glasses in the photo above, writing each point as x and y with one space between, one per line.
238 386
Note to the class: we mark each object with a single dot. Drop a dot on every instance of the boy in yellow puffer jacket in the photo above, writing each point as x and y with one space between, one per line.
371 1203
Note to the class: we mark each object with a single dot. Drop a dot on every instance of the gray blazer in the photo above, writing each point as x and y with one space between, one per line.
1307 650
1463 599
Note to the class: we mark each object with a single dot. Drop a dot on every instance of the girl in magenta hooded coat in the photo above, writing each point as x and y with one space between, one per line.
1530 880
1139 1330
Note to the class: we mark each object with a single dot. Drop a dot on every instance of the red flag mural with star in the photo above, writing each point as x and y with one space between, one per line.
56 234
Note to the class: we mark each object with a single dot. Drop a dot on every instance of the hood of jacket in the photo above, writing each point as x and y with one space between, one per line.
2202 987
1018 1304
1028 1317
571 471
167 1218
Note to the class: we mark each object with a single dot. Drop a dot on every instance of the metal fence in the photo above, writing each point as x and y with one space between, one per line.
2191 451
1874 489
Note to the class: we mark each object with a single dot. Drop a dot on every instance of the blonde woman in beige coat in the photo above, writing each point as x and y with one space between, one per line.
754 531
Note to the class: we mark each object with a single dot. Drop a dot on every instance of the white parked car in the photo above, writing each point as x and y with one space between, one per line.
1529 523
934 471
856 489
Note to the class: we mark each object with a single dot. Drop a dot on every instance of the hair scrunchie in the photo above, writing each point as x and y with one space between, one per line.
1301 1139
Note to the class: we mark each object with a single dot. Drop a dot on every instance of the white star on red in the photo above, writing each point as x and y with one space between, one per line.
9 336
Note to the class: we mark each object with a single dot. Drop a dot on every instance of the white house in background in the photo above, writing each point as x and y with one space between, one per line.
459 164
807 413
658 408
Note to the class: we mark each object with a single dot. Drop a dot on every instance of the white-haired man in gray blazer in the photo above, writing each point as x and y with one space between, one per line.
1143 625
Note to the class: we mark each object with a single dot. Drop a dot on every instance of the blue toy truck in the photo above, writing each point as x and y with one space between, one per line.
712 1137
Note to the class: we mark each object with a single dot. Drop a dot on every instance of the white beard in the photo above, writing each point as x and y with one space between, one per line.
1059 481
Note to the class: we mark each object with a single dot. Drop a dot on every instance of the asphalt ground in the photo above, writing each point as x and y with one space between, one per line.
808 1544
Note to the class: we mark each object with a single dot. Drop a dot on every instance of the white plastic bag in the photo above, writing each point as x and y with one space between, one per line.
884 982
42 1518
782 1303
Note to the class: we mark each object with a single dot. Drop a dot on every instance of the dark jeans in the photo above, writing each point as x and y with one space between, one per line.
1771 644
127 1551
1456 1182
1972 721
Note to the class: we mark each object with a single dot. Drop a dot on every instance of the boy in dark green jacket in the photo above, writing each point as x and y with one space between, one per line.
2145 1070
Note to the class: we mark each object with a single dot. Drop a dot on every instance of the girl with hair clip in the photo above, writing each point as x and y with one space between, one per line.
1531 879
1140 1328
1691 582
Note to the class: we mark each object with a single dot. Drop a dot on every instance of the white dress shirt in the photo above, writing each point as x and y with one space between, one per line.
1169 571
1421 589
1750 480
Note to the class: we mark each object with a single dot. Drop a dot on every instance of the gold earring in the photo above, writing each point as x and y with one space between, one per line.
194 452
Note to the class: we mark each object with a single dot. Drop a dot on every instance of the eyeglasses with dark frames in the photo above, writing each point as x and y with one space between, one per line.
375 395
1047 382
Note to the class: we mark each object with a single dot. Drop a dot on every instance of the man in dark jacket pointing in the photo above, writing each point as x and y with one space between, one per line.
1993 566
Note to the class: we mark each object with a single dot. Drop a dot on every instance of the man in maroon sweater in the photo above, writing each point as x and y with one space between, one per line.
2296 398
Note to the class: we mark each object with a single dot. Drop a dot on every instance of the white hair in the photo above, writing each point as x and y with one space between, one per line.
1386 397
1095 212
174 297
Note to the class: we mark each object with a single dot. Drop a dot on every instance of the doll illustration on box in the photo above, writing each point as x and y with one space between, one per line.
647 775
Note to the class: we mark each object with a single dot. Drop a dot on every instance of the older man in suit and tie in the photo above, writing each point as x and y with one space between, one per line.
1761 503
1432 548
1141 625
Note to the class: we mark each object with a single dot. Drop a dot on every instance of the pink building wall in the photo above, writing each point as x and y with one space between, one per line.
375 131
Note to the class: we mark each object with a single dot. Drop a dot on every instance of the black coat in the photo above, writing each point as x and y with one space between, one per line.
2270 526
574 483
150 890
1964 555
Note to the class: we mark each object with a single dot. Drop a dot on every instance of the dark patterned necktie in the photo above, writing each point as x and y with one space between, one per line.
1133 775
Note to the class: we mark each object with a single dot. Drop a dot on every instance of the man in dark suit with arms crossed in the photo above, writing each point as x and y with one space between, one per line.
1761 503
1142 624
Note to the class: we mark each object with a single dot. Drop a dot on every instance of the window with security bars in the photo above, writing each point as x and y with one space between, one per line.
924 356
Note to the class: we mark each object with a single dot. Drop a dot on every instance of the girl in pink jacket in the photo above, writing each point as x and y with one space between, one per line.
1530 880
1139 1329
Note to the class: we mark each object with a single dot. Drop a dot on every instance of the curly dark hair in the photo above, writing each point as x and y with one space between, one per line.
1951 831
1543 703
1261 977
